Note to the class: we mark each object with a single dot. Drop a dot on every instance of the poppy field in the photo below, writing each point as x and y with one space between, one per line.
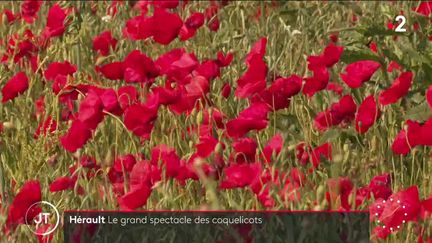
217 105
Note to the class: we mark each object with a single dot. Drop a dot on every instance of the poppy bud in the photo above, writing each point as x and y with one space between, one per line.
100 60
320 193
218 148
76 155
108 159
199 117
317 208
346 148
52 160
8 125
4 19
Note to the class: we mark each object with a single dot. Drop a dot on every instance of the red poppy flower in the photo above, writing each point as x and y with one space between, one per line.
390 25
212 19
166 4
110 101
317 82
166 26
208 69
380 186
415 135
367 114
400 208
339 191
302 153
278 95
77 135
140 118
29 194
135 198
104 42
320 152
206 146
290 192
190 26
258 49
398 89
195 88
145 173
328 58
62 183
55 25
20 48
245 150
274 146
429 96
381 232
88 162
252 118
138 68
127 95
195 20
166 96
393 66
45 127
373 47
138 28
30 9
224 60
186 33
418 134
361 195
176 64
193 167
424 8
15 86
337 88
254 79
213 117
121 163
163 26
334 37
10 16
239 176
214 24
296 177
169 159
226 91
40 233
265 198
55 69
342 111
400 144
90 110
112 71
124 163
359 72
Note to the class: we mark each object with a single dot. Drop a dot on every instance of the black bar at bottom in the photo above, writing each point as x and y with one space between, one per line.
220 227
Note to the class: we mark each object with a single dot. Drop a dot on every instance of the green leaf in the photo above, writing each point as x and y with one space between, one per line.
350 56
378 30
330 135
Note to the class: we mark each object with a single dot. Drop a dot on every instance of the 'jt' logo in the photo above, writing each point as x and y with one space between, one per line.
43 218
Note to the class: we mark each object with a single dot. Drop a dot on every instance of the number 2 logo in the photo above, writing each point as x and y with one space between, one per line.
402 21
